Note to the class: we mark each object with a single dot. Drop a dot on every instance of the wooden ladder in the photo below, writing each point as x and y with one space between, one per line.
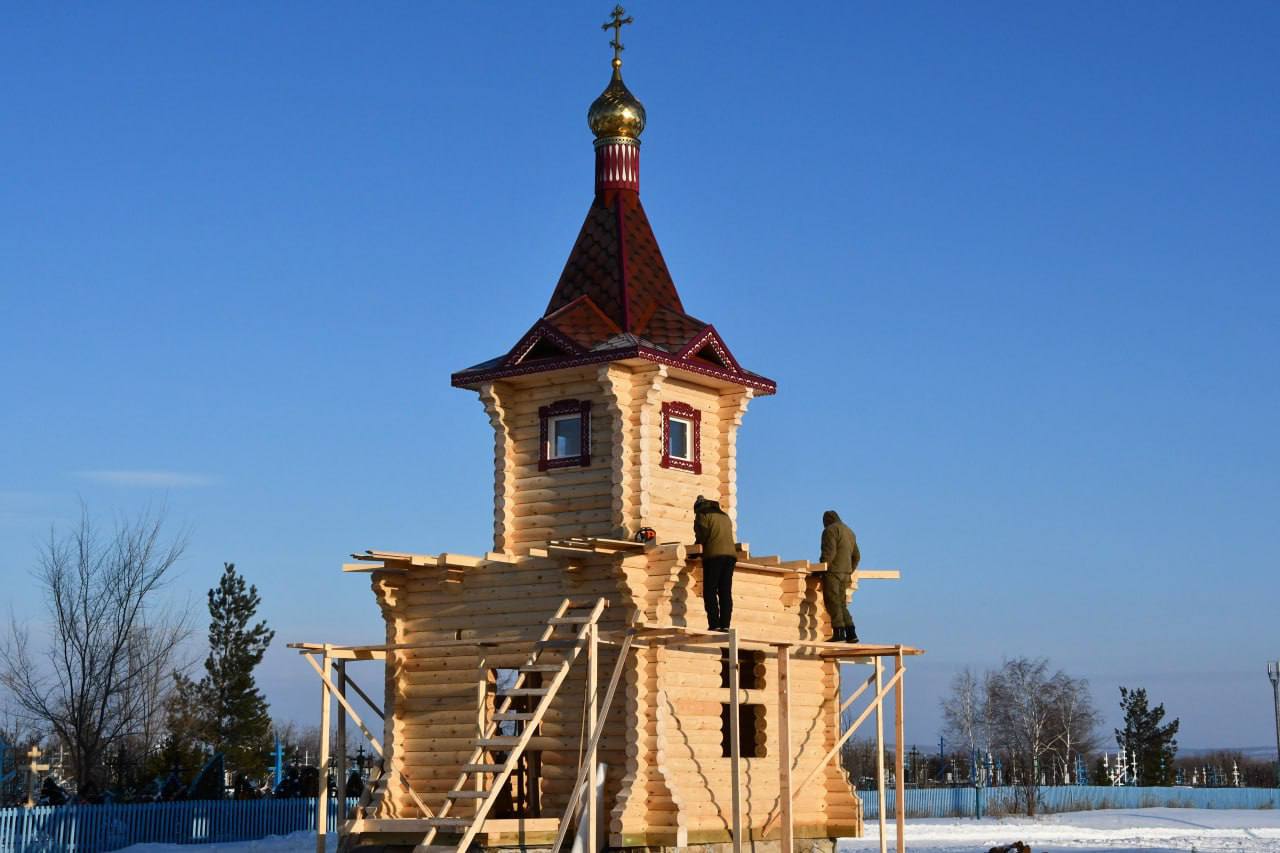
475 767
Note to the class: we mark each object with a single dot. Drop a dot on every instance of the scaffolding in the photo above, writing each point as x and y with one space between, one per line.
328 660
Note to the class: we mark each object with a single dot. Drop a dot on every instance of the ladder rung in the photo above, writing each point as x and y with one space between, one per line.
448 821
482 768
542 667
523 691
497 741
467 795
513 715
568 620
559 644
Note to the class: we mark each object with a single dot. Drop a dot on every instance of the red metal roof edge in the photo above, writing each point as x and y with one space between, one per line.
469 378
707 336
539 330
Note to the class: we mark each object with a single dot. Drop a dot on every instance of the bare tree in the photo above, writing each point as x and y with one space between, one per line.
110 637
1020 704
1074 722
858 757
964 711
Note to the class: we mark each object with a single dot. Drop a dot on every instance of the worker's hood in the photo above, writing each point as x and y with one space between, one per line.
704 505
830 517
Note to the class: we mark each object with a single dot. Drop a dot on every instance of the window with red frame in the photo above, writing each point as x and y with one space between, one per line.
681 437
565 435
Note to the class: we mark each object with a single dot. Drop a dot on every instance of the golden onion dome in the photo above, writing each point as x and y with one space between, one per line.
616 112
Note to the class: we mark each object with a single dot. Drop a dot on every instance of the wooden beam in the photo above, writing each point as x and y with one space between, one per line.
342 742
831 753
369 567
370 652
788 841
594 743
854 695
877 574
899 805
663 632
593 819
482 712
735 748
373 706
401 556
329 685
417 801
880 750
322 806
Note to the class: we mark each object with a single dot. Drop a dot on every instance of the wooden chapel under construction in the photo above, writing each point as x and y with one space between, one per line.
570 669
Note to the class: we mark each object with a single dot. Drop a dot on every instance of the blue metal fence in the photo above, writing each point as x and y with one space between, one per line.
966 802
90 829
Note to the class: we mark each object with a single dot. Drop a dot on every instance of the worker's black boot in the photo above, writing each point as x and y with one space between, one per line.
851 634
837 635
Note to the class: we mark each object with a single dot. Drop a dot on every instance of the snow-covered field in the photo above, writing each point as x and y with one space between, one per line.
297 842
1110 830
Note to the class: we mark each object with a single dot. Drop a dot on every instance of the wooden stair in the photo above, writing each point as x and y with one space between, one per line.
475 769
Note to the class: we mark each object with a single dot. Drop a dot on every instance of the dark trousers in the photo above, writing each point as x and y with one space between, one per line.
717 591
835 594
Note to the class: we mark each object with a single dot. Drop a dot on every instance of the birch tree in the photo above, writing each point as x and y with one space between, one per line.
90 679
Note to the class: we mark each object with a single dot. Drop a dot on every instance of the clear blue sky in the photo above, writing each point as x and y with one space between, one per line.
1014 267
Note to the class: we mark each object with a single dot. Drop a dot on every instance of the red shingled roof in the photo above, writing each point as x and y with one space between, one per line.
616 262
615 299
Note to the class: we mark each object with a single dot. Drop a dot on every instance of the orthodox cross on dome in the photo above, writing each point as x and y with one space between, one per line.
616 25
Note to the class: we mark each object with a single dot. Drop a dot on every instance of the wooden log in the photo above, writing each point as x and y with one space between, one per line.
899 805
879 704
323 802
599 517
562 508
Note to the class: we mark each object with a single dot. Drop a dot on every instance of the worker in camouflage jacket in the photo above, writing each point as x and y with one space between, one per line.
840 553
713 530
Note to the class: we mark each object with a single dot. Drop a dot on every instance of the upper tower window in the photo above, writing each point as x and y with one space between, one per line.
681 437
565 434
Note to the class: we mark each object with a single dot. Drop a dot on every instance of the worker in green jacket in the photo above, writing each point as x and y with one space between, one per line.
713 530
840 553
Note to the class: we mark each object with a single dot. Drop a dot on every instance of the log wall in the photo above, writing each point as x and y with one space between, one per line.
668 778
625 487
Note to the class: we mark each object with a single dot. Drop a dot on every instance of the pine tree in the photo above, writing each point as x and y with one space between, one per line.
1151 744
234 718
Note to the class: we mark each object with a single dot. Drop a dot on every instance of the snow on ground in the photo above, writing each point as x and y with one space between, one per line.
295 842
1102 831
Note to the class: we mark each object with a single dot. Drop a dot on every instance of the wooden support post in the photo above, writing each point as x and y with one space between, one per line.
322 804
373 706
342 743
333 691
593 659
734 745
880 748
594 743
482 716
787 843
835 750
899 784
